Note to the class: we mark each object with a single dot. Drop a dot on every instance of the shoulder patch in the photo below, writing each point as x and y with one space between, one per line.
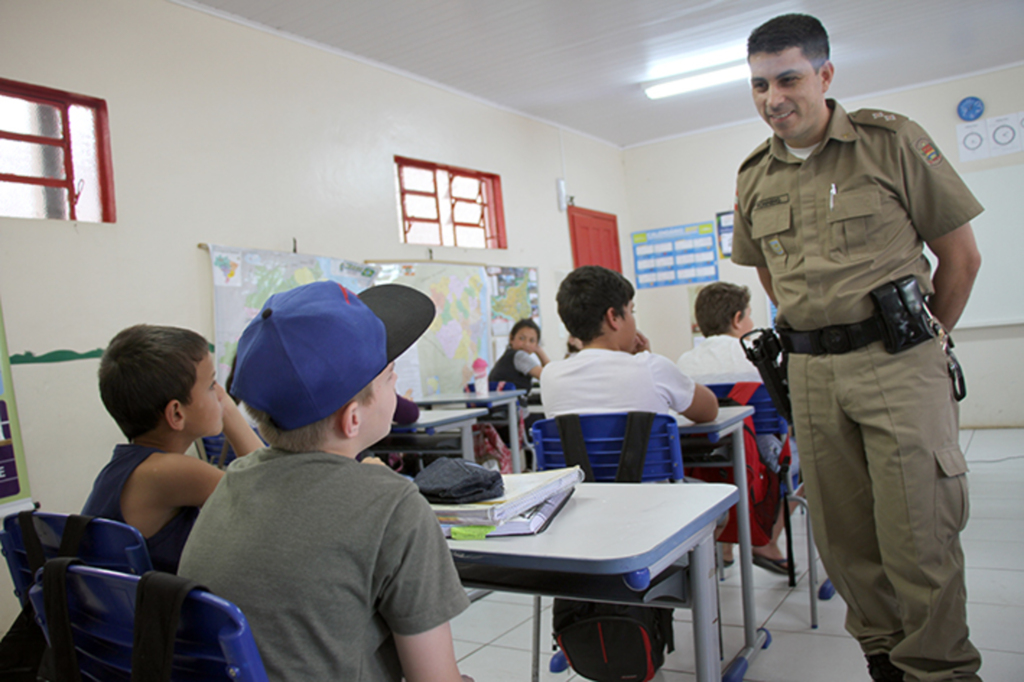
877 117
928 151
756 154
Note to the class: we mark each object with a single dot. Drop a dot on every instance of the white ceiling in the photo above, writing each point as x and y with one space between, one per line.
579 63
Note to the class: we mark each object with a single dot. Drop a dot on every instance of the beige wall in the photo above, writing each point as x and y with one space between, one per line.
689 179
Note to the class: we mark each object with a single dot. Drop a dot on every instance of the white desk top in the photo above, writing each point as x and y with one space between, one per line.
454 398
608 528
432 419
727 416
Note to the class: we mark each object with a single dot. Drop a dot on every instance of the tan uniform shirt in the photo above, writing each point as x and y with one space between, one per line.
852 216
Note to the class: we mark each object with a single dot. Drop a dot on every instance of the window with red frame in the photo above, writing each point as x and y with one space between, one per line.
447 206
54 155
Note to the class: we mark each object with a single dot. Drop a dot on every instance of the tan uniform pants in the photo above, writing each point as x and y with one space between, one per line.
885 481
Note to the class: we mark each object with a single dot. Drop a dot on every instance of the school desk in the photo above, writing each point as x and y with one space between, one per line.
493 399
429 423
730 421
629 543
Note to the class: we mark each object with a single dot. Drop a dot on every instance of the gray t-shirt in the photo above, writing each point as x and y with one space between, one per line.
326 557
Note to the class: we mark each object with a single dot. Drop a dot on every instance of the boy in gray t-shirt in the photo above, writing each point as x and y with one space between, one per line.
340 567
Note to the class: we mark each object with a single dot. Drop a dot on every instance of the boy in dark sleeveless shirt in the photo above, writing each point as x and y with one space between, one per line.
159 384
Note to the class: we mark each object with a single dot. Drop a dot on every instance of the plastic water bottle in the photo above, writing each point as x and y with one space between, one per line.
480 376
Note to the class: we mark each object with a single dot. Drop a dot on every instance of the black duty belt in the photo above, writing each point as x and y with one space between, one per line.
837 339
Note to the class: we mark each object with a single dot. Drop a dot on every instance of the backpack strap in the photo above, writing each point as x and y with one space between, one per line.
30 538
71 539
574 448
158 600
55 600
634 447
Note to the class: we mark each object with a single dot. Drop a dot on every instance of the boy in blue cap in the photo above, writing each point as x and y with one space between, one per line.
341 568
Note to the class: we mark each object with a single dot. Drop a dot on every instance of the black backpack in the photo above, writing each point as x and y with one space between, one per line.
611 642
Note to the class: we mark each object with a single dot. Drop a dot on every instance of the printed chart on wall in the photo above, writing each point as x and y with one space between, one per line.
684 254
14 492
459 333
514 296
243 280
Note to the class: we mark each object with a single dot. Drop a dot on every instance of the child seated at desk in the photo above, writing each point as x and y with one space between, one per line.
615 370
341 568
159 385
524 360
723 314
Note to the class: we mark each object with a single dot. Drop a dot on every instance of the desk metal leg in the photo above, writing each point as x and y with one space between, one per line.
754 640
535 675
467 442
513 436
705 609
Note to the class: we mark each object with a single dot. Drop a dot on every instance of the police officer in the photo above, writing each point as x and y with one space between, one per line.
831 208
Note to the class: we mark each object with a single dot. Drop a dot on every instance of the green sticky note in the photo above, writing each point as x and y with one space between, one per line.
471 532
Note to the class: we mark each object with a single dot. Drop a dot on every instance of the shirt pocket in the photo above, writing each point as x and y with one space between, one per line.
854 225
771 227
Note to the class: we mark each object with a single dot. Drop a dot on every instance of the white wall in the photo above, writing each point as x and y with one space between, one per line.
224 134
689 179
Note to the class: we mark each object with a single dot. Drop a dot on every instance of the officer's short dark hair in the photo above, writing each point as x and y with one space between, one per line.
717 304
145 367
791 30
586 294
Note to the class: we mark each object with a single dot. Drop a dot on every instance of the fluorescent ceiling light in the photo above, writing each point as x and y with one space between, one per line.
699 62
698 82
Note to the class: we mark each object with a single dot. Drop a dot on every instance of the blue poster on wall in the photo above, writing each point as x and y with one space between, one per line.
684 254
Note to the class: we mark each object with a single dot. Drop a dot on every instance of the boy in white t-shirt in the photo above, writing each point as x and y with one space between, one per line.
615 370
723 313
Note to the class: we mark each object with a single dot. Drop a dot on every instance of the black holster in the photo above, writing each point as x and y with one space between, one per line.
905 321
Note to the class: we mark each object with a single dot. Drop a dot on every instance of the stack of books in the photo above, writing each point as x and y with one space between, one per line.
530 502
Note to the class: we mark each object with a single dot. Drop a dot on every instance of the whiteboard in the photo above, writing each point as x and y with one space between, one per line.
998 295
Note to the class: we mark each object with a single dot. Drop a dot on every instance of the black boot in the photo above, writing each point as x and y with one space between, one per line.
881 669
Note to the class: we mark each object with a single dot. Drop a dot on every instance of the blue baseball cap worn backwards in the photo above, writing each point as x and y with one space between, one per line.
310 350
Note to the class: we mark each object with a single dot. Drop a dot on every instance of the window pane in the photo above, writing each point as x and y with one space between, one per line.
33 201
417 179
420 207
465 188
472 237
82 121
466 212
28 118
31 160
448 234
423 233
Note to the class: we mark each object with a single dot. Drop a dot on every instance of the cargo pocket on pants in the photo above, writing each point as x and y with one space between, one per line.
952 506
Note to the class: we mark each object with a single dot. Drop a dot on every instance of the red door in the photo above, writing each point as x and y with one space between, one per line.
595 238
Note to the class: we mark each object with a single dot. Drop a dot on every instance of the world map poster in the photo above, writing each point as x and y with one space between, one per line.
459 334
514 297
243 280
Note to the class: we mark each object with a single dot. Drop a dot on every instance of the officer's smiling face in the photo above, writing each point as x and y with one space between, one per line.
790 95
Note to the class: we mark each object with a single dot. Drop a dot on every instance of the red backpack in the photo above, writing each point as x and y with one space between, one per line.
763 485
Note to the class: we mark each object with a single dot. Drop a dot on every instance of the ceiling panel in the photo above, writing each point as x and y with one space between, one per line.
579 63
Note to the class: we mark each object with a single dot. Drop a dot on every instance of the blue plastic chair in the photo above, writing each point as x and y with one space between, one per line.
768 420
105 543
214 641
603 435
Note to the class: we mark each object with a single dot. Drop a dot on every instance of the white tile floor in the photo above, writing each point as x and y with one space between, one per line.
492 638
